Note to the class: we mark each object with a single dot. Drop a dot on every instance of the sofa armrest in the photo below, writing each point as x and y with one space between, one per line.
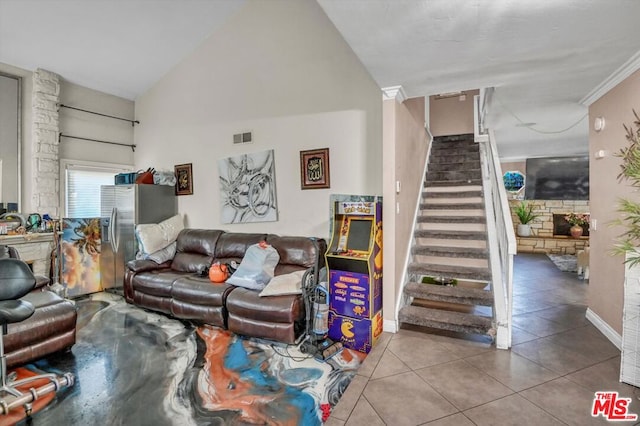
41 281
144 265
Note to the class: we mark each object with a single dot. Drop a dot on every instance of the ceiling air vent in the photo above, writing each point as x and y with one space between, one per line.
242 138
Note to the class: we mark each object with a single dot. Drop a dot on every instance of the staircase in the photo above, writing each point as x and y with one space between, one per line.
450 242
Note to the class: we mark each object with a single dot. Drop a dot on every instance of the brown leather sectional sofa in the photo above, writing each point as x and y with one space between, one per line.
51 328
177 287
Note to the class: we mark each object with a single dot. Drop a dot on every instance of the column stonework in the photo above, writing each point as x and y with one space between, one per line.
45 129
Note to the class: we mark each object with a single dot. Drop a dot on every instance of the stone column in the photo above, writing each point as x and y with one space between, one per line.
45 130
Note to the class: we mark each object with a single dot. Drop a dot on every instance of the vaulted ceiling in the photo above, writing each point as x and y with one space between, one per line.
542 56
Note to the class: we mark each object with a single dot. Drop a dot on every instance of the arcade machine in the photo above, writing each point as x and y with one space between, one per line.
354 261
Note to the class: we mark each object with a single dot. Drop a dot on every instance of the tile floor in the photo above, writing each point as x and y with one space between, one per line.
557 362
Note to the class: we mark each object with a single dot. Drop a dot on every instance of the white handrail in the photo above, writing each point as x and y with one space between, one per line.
500 236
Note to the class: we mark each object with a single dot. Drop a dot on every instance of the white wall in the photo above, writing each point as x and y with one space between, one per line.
280 69
77 123
26 148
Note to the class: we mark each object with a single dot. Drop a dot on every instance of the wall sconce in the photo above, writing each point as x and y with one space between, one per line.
598 124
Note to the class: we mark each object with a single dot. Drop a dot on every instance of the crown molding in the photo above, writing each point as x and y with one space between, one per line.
618 76
394 92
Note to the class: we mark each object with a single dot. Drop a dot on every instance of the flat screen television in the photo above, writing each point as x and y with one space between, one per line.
359 237
557 178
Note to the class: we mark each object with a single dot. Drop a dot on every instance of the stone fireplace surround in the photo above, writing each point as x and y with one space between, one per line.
542 239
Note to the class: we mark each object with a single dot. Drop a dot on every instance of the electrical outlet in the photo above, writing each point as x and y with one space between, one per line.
594 224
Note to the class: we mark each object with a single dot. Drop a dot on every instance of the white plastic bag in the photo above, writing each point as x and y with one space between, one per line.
164 177
257 267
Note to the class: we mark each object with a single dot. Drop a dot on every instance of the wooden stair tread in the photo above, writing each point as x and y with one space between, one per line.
451 294
445 320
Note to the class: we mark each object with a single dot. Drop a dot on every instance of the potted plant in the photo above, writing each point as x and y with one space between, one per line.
577 221
629 242
525 214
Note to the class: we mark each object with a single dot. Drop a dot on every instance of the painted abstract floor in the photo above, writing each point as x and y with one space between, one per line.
134 367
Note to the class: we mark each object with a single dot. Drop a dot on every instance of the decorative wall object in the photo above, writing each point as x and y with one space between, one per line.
248 188
184 179
314 169
513 181
80 249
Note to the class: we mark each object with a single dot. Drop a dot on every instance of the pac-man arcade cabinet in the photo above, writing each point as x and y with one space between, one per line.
354 260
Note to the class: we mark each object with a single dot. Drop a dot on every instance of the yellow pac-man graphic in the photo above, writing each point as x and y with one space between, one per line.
346 329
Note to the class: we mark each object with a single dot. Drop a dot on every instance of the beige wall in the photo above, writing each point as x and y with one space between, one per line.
281 70
405 152
451 116
607 271
512 166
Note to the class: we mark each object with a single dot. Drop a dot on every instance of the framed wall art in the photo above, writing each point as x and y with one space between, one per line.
248 188
184 179
314 169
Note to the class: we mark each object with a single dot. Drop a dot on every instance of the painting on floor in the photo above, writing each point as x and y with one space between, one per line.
80 248
248 188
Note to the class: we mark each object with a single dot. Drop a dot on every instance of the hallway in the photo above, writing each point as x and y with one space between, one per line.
557 362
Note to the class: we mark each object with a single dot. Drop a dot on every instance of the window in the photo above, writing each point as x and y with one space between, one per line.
81 183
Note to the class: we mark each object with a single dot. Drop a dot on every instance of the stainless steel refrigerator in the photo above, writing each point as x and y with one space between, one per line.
122 207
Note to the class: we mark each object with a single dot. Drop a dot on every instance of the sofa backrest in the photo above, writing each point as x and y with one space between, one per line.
232 246
297 253
195 249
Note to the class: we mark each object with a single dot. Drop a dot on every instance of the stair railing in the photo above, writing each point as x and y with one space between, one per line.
500 237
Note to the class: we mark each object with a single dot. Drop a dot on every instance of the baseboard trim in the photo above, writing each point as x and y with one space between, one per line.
390 326
604 328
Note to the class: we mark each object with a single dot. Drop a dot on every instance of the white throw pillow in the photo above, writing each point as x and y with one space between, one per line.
284 284
153 237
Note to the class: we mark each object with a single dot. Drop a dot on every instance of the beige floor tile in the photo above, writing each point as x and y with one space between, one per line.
389 365
410 330
541 327
333 422
605 376
512 410
406 399
518 336
364 415
463 385
373 357
553 357
565 400
512 370
350 398
566 314
417 353
588 341
464 348
454 420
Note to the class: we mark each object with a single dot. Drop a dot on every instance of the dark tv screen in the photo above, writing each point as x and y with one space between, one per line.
557 178
359 234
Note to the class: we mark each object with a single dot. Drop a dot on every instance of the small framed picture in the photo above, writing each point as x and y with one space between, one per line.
184 179
314 169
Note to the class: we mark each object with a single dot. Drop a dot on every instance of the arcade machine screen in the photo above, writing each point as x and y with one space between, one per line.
359 235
